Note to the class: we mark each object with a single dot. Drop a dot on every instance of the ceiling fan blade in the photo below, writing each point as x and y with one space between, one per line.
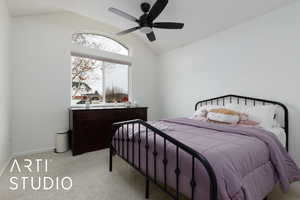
128 30
157 8
123 14
151 36
168 25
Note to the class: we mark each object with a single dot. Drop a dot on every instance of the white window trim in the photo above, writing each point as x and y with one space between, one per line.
79 51
97 54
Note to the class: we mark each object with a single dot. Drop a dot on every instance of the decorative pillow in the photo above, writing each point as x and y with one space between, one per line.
244 117
201 113
223 115
248 123
263 114
224 111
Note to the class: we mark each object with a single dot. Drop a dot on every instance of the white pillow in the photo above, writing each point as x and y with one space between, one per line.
276 124
199 114
263 114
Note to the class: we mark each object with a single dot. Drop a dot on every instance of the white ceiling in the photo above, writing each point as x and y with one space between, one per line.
201 17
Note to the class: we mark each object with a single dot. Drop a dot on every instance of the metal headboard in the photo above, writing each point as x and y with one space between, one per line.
249 100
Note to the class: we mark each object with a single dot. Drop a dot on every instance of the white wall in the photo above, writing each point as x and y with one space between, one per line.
260 58
41 76
5 84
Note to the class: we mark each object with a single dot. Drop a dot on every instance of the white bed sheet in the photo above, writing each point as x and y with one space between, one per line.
280 134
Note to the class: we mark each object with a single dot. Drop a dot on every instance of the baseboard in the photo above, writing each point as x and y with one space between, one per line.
26 153
5 166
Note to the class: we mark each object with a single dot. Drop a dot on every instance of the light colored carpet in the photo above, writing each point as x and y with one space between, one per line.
92 181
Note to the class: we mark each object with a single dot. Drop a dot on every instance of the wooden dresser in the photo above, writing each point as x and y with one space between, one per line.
91 129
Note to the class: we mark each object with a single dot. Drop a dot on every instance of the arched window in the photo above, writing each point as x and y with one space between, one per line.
100 42
100 80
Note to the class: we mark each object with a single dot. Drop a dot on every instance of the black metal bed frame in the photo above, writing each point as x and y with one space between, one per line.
121 143
247 100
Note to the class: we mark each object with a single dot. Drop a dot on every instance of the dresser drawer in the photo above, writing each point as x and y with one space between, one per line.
120 115
92 128
95 115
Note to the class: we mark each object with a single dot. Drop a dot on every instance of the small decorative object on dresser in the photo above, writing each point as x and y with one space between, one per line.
91 129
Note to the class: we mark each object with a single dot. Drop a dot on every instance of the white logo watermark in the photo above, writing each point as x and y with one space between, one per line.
36 166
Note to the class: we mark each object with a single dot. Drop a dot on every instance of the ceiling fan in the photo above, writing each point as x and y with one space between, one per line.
146 21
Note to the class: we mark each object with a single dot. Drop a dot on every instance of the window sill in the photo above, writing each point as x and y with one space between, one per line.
102 107
113 105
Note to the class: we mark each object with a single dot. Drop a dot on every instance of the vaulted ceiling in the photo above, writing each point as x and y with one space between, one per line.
202 18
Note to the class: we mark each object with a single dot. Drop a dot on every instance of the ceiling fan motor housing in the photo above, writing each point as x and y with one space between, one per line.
144 21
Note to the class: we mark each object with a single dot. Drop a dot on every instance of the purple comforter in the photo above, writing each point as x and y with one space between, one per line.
248 162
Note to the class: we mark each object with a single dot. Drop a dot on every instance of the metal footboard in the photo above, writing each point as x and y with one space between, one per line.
122 141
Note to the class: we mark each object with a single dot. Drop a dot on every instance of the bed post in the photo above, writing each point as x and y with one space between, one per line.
111 150
147 188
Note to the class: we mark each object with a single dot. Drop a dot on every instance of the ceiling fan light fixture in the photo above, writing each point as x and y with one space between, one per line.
146 30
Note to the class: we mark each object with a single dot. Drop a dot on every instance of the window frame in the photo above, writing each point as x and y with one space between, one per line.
104 56
108 37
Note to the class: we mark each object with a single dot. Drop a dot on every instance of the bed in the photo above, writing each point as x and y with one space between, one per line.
206 160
